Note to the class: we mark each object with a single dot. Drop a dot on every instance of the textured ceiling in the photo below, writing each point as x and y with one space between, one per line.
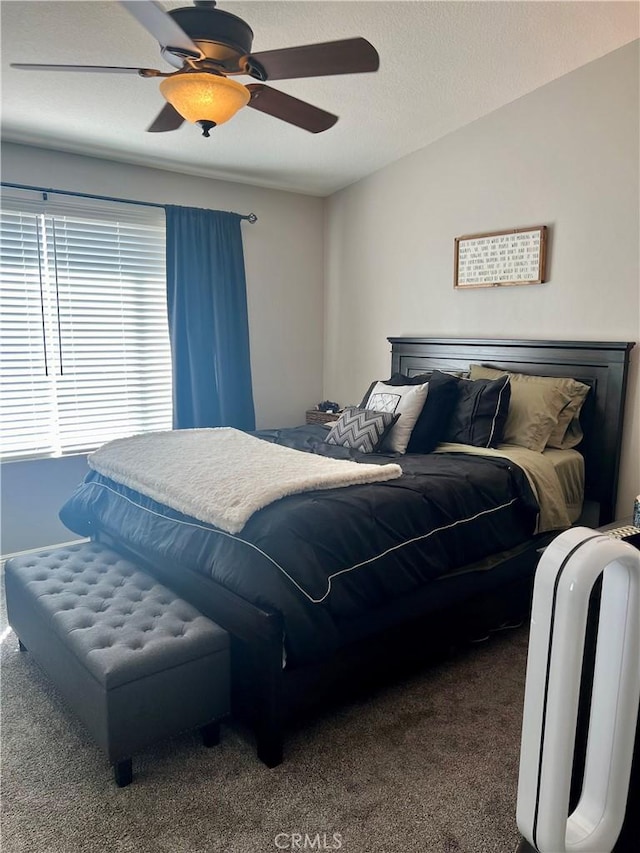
442 65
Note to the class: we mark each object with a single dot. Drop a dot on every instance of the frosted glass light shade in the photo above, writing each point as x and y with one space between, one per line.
204 97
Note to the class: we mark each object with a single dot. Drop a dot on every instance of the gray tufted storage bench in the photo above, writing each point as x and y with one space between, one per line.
135 662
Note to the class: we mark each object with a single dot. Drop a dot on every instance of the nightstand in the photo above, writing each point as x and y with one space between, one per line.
631 536
628 532
315 416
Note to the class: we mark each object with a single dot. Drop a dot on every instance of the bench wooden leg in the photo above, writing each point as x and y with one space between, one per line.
21 645
123 772
210 734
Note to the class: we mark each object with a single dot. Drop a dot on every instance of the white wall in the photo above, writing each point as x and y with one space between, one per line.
565 156
284 267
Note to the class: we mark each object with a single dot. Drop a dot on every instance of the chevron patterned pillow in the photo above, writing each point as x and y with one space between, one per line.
362 429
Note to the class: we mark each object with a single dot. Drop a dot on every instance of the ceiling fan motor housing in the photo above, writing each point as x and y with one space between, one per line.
220 35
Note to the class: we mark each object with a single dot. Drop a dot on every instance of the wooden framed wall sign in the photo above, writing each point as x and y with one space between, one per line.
501 258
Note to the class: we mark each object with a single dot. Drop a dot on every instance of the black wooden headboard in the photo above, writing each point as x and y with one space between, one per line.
601 364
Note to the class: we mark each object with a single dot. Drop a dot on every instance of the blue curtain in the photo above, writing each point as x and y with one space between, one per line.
208 325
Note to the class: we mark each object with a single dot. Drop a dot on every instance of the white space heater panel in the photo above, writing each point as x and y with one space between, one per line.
565 577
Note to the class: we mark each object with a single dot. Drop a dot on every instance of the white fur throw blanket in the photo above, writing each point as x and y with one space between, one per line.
222 476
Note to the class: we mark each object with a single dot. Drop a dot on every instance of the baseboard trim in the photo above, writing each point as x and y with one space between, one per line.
5 557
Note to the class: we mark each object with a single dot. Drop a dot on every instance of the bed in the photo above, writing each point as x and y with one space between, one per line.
298 639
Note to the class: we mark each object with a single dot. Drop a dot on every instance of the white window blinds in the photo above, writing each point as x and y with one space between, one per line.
84 347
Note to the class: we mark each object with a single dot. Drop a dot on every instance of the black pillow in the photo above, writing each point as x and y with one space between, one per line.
481 412
367 393
434 418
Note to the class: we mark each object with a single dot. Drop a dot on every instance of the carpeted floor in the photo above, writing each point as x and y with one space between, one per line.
428 764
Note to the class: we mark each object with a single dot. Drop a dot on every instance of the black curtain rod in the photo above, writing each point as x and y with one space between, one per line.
251 217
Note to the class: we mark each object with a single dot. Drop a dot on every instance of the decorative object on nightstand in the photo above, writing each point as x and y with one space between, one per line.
328 406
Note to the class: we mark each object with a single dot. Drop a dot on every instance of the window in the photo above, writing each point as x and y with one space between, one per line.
84 345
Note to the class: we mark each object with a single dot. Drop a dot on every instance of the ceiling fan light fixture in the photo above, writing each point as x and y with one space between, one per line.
204 97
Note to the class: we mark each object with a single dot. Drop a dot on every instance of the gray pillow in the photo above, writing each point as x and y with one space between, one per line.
403 400
361 429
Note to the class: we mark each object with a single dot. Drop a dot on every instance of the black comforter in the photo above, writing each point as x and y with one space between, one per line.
324 557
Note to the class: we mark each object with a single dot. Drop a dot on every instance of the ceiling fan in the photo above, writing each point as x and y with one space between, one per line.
209 46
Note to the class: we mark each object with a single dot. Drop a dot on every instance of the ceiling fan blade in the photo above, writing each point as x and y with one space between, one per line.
104 69
167 119
349 56
162 27
289 109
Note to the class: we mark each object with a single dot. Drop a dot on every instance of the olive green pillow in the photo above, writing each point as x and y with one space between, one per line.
543 411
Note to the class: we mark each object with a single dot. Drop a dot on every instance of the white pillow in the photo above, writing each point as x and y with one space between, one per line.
404 400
